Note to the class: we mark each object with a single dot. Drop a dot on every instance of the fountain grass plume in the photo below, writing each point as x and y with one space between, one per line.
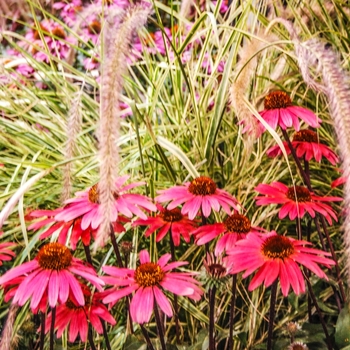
7 332
245 70
113 69
314 57
73 128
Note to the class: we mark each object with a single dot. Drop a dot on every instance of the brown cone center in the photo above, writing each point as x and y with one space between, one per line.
54 256
277 99
237 223
148 274
277 247
172 215
305 136
299 194
202 186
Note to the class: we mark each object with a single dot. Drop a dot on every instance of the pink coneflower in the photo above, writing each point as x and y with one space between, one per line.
217 267
76 317
305 143
279 110
148 281
168 220
86 205
54 271
91 29
5 253
234 228
296 201
56 40
73 227
276 256
202 193
68 11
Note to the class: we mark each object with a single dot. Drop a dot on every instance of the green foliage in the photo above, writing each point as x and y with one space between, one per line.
181 126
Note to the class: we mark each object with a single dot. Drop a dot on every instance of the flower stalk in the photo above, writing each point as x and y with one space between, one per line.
272 314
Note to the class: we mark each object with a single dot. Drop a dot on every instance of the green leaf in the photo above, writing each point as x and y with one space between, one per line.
342 328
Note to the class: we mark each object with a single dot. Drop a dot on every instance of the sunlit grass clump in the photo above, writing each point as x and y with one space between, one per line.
174 175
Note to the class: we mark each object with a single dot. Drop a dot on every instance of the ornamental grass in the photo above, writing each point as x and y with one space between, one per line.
174 175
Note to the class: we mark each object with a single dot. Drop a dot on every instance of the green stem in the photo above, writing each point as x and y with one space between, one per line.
176 305
52 328
212 293
272 314
159 326
232 311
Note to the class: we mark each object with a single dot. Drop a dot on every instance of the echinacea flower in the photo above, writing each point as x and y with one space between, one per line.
295 200
168 220
297 346
148 281
54 271
217 269
201 193
72 228
234 228
279 110
305 143
86 205
5 253
57 42
76 318
68 11
274 256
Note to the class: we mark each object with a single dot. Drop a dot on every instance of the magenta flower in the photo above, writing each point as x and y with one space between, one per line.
296 201
305 143
148 282
86 205
76 317
54 271
5 253
274 256
280 111
73 226
201 193
168 220
56 41
234 228
68 11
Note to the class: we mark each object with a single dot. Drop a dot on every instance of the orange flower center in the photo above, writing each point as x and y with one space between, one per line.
171 215
202 186
277 247
277 99
299 194
54 256
94 197
94 27
59 32
36 34
305 136
71 305
237 223
148 274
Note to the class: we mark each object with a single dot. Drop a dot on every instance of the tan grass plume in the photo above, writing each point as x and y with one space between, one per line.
7 332
73 128
113 69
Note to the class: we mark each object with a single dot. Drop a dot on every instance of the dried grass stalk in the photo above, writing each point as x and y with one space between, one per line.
113 70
